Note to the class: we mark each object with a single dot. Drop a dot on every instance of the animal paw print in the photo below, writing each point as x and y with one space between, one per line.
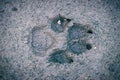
76 40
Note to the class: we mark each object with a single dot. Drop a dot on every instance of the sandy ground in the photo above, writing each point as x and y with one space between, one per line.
19 17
